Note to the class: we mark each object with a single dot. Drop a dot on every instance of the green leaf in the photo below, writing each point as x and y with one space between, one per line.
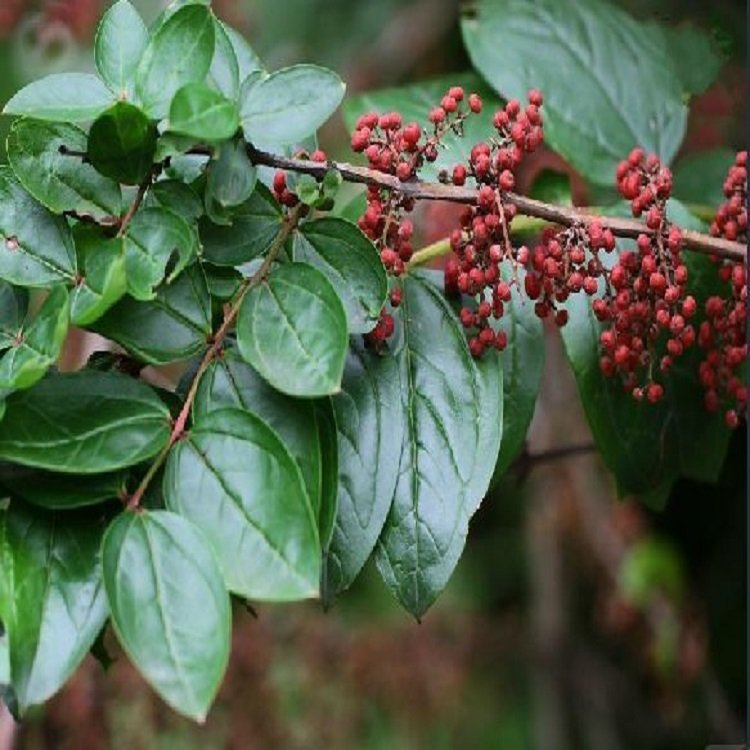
247 61
224 74
453 413
14 304
170 610
292 329
177 197
415 101
694 56
103 281
179 53
327 508
60 491
590 60
523 365
52 603
223 282
698 178
231 175
60 182
38 345
85 422
173 326
66 97
156 237
290 104
351 263
646 445
370 420
255 225
122 144
201 112
36 247
230 381
121 40
234 478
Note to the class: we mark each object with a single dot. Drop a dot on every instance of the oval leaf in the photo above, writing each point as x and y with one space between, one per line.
233 477
180 52
84 423
201 112
60 182
66 97
169 607
14 304
351 263
290 104
52 602
453 412
224 74
292 329
231 175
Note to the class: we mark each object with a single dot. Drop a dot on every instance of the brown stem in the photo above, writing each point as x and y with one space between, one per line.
135 205
566 216
217 340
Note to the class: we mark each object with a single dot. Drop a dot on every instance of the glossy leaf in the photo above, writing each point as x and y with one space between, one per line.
290 104
39 344
36 248
155 237
224 74
230 381
590 60
292 329
351 263
327 509
85 422
14 304
177 197
52 602
254 226
370 421
234 478
103 282
173 326
231 175
453 413
122 144
65 97
200 112
60 182
121 40
170 610
180 52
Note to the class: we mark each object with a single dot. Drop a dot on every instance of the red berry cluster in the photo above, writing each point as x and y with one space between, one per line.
482 242
283 194
723 335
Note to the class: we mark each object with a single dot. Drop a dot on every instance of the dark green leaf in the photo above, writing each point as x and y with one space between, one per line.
329 478
38 345
230 381
233 477
173 326
223 282
101 261
255 225
290 104
67 97
122 144
453 412
415 101
351 263
698 178
200 112
14 303
60 491
177 197
292 329
180 52
85 422
224 74
60 182
36 247
590 60
155 237
370 420
694 56
121 40
169 607
552 186
231 175
52 603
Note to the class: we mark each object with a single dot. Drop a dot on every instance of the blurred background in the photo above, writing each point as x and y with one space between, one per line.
575 619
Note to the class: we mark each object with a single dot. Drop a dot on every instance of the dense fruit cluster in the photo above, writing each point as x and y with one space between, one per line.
723 335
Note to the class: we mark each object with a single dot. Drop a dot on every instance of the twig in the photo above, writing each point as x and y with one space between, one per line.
217 340
135 205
